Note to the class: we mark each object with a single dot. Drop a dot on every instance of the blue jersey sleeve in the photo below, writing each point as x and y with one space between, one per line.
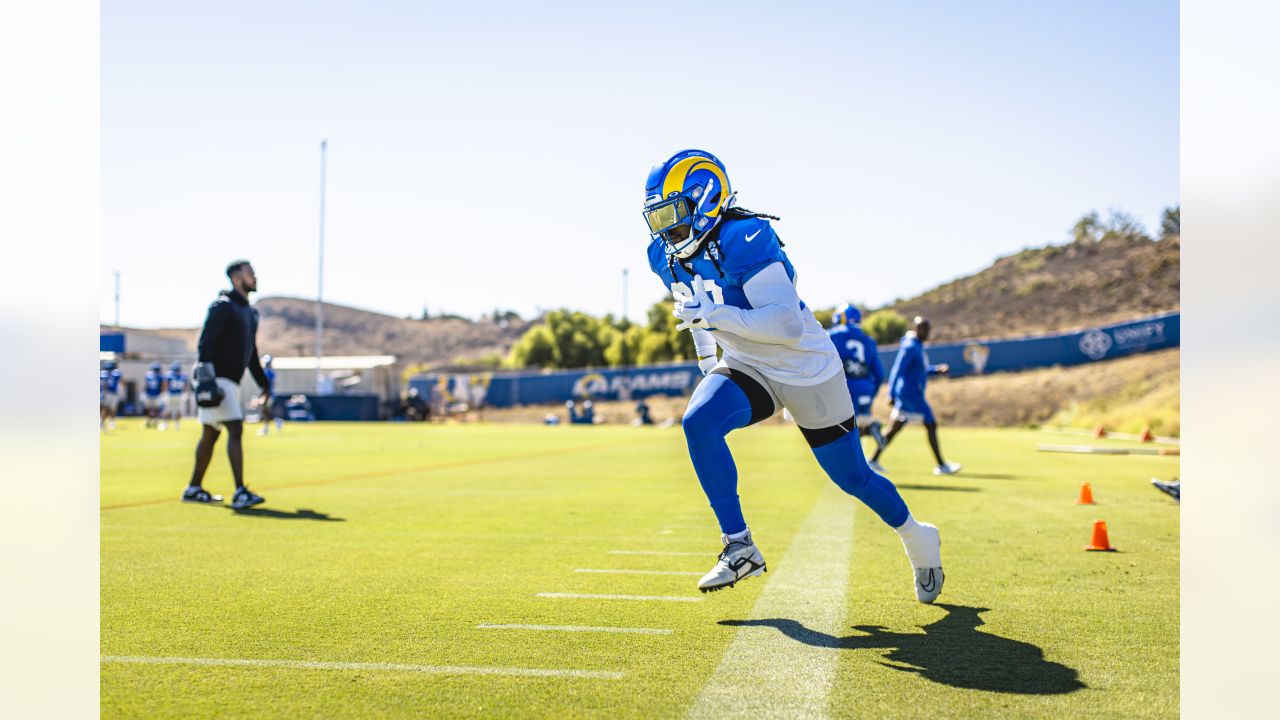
658 263
895 373
748 246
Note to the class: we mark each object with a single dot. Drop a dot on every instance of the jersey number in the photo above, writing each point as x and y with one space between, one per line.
717 295
856 366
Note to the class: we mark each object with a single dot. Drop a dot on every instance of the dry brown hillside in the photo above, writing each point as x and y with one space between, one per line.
1055 288
287 328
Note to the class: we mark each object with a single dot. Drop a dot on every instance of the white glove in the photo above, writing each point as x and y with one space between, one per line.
707 364
692 312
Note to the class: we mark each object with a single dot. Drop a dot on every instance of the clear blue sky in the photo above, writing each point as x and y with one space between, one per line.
490 154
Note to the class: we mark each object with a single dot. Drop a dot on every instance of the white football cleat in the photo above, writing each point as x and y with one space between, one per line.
928 584
876 466
925 553
947 469
739 559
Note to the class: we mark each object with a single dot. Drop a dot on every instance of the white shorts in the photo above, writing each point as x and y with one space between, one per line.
813 406
152 402
111 400
229 410
175 404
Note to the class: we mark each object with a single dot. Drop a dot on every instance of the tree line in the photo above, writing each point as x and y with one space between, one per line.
574 339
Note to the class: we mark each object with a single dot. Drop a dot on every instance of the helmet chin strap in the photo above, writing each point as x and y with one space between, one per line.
689 247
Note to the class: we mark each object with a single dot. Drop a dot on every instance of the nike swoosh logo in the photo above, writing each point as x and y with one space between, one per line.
932 583
752 236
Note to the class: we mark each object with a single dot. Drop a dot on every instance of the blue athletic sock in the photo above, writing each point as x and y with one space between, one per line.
845 464
718 406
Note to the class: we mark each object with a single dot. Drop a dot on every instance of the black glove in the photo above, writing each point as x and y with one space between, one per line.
208 394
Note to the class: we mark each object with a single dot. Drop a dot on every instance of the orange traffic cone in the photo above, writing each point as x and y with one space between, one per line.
1086 495
1099 432
1146 434
1100 541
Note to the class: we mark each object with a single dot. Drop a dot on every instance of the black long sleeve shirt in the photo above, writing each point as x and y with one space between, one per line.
229 339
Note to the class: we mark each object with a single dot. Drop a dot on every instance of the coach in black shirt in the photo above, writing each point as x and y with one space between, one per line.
228 342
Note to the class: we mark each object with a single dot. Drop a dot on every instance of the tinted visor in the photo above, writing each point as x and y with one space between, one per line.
667 214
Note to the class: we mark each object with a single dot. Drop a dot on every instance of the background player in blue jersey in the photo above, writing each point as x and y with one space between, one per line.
108 395
907 379
863 371
176 385
152 394
735 289
267 415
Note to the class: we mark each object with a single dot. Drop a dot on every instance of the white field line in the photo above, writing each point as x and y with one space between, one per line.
377 666
638 572
590 596
580 628
660 552
765 673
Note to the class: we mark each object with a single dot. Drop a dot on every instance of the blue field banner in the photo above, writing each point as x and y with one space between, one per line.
534 388
111 342
971 357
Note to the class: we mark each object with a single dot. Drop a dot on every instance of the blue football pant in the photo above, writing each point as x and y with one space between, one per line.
721 404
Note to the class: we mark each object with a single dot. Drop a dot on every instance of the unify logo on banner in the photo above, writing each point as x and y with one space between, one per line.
1143 334
1097 343
597 385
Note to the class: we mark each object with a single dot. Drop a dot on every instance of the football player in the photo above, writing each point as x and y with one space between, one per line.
863 370
907 380
153 388
267 414
735 289
108 395
176 386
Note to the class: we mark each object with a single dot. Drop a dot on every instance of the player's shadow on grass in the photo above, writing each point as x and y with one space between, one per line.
940 488
951 651
992 476
300 514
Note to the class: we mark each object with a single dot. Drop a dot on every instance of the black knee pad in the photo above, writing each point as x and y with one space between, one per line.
762 407
822 436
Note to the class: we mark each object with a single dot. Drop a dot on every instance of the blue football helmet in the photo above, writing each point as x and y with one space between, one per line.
690 188
266 360
175 366
846 314
154 367
109 365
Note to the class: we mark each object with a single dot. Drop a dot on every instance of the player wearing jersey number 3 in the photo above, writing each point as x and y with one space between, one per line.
735 289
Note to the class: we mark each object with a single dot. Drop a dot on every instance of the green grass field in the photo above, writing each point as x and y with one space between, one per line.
383 548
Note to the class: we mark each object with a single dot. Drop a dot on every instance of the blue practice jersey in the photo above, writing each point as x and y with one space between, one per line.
176 382
860 357
738 249
109 380
911 369
271 379
153 383
747 246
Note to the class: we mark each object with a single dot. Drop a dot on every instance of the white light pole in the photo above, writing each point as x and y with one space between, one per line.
117 298
324 146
